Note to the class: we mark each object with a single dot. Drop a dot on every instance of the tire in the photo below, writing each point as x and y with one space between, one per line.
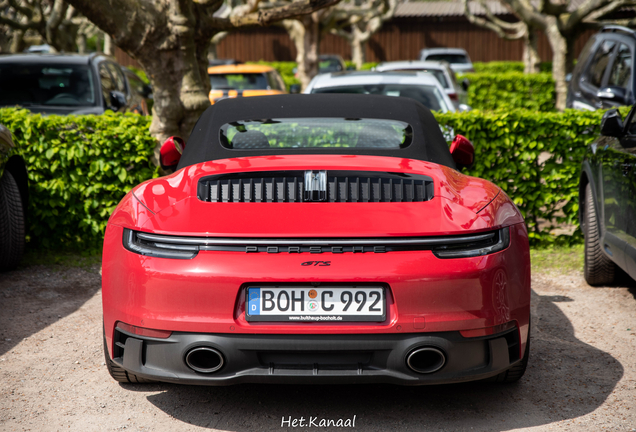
11 223
598 269
119 374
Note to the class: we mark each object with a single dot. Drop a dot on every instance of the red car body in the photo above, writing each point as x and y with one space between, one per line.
473 311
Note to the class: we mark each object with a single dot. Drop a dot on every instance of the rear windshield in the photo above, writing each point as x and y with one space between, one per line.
316 133
239 81
329 65
46 84
428 96
451 58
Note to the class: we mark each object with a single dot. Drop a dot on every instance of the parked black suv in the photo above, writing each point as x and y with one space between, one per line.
14 200
65 84
604 74
607 200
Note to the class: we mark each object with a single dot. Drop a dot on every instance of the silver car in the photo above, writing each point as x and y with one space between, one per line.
421 86
457 57
441 70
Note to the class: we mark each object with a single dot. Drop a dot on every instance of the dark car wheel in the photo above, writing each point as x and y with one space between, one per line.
11 223
598 269
119 374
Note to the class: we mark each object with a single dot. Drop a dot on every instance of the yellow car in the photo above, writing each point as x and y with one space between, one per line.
230 81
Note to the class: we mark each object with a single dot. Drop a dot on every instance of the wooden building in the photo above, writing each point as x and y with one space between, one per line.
416 25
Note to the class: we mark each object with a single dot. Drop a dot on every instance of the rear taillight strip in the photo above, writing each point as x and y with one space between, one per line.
429 241
179 247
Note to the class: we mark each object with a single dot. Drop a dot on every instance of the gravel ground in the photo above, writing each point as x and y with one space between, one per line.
581 377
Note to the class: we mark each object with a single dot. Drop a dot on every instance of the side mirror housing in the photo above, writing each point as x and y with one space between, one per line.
612 124
463 152
294 88
117 100
171 151
616 95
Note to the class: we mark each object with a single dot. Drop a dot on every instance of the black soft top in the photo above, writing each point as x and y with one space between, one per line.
427 144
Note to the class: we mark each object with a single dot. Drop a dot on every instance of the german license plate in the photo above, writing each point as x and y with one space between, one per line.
328 304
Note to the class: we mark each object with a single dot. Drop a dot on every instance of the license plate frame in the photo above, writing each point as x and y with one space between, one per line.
335 300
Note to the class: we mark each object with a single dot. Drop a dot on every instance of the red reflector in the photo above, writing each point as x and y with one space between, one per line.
487 331
140 331
453 96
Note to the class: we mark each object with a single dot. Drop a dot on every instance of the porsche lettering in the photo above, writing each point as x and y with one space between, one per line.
315 249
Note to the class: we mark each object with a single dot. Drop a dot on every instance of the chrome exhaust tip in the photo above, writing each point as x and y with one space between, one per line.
204 359
426 360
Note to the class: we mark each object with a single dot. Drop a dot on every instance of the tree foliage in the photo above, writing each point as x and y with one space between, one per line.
54 21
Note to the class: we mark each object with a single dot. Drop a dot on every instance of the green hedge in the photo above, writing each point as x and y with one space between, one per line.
285 69
535 158
507 66
79 167
498 67
511 90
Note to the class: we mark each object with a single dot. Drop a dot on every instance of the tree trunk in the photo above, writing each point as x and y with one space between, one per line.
99 42
212 53
17 42
109 48
358 47
559 53
180 86
312 47
305 33
81 43
531 58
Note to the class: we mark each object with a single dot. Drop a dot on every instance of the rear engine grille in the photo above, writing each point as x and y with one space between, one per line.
342 186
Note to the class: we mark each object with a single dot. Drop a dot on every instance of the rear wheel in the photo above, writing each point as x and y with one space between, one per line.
11 223
119 374
598 269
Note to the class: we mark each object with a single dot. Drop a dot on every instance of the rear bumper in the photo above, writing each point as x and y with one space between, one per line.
317 359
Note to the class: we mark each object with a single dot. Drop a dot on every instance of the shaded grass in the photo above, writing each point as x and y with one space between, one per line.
54 259
562 259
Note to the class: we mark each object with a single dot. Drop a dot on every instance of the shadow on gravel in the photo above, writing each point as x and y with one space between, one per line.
624 280
566 379
34 297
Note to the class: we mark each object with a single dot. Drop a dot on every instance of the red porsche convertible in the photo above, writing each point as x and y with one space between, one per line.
316 239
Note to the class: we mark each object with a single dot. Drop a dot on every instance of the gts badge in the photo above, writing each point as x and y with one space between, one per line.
316 263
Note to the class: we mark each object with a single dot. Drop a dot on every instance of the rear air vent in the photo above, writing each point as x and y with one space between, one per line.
341 186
